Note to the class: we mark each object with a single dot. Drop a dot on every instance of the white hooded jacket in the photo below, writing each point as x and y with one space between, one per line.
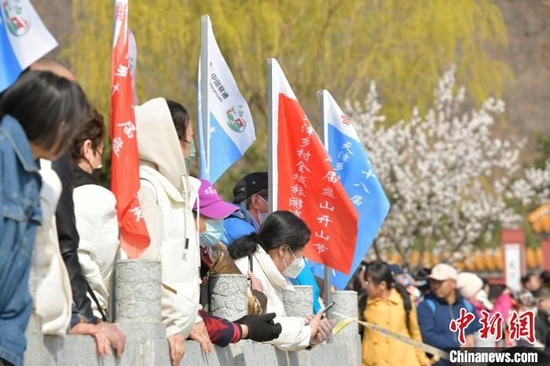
166 196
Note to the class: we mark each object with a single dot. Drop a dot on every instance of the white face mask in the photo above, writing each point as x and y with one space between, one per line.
294 269
262 216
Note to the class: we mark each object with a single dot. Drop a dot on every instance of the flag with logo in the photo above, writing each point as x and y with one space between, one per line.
23 39
125 158
226 129
304 181
351 163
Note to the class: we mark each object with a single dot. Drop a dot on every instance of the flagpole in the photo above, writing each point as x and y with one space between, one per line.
272 140
205 23
324 138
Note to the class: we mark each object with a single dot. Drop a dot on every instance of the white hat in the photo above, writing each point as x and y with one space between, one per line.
442 272
468 284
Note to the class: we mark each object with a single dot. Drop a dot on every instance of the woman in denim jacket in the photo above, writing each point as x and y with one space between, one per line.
38 116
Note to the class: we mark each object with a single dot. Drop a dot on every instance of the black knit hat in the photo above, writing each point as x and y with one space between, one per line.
250 184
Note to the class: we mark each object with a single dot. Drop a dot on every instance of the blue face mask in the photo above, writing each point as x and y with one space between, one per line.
213 234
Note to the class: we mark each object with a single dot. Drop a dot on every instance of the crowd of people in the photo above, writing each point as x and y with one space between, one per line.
424 307
60 234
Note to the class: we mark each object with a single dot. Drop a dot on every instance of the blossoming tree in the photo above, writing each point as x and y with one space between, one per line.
445 173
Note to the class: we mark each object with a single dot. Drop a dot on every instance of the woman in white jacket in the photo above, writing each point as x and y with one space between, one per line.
95 213
167 196
277 253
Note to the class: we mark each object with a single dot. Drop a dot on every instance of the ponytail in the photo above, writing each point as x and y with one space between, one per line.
244 246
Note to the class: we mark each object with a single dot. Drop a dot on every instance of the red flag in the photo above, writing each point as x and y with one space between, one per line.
306 183
125 158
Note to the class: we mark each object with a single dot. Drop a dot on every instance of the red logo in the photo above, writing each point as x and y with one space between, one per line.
345 119
491 325
522 326
461 324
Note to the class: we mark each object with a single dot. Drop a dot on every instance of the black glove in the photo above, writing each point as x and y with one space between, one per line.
261 328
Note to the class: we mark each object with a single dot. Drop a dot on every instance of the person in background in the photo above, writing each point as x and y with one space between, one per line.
167 196
39 113
211 211
389 305
542 318
406 280
483 295
251 194
95 212
276 254
66 227
532 282
469 285
64 217
440 307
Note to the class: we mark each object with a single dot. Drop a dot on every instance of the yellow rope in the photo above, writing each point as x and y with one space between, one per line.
389 333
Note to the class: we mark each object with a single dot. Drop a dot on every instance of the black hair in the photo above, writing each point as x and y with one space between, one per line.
495 291
379 272
280 228
180 117
545 276
93 129
528 277
49 108
357 283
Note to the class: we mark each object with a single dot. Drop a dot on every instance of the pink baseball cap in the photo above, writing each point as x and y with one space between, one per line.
211 204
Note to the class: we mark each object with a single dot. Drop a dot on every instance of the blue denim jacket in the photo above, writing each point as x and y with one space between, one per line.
21 215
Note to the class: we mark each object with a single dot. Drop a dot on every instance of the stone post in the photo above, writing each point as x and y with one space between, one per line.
298 302
138 291
345 303
138 312
228 296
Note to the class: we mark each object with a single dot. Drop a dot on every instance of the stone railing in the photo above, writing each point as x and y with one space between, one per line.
137 309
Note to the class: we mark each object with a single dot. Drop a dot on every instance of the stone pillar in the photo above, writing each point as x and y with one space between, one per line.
138 312
138 291
228 296
345 303
299 301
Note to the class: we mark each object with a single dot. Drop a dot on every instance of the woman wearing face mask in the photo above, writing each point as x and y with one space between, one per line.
95 213
277 254
212 211
184 129
167 196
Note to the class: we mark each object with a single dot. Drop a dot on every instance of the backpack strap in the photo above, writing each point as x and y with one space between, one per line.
431 305
468 305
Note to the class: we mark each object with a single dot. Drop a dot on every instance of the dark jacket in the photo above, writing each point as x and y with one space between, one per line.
542 327
68 236
434 317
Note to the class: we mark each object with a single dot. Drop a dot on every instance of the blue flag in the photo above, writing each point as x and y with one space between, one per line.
351 163
229 123
23 40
